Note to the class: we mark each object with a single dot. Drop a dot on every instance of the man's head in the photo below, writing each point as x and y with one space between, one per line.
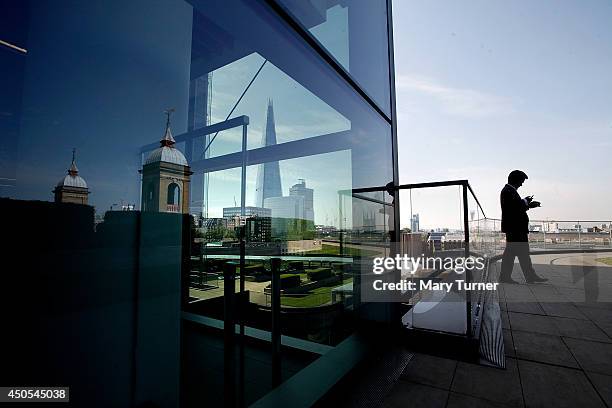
390 187
516 178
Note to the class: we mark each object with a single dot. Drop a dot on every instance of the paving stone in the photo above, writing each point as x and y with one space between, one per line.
544 348
525 307
544 290
562 309
551 386
592 355
603 384
573 294
465 401
533 323
598 315
518 294
508 344
493 384
407 394
553 298
430 370
501 293
505 320
579 329
594 305
607 328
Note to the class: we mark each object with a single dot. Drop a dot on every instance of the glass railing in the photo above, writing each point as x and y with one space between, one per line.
547 236
552 235
445 221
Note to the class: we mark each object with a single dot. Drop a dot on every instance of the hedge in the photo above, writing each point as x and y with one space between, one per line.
296 265
344 267
289 280
253 269
318 274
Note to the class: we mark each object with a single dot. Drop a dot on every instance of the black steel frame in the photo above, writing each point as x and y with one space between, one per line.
465 188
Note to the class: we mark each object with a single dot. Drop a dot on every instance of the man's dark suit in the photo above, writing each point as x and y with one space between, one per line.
515 223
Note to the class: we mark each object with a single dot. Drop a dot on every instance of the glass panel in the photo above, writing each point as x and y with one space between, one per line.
297 113
150 211
354 32
432 228
106 277
315 277
216 242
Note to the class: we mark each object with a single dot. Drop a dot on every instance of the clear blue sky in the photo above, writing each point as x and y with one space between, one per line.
484 87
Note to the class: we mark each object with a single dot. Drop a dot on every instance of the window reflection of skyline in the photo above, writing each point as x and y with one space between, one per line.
299 114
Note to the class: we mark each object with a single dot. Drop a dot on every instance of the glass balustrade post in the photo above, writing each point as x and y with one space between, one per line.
276 320
466 231
229 288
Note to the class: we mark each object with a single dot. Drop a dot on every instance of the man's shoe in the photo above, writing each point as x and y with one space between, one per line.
536 279
509 280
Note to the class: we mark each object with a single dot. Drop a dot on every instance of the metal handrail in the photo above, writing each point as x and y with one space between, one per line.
555 220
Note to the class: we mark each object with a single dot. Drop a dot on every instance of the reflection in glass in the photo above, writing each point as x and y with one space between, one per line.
180 217
354 32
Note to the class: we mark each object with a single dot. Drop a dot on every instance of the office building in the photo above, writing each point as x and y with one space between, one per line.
414 223
287 214
256 220
300 190
268 174
232 212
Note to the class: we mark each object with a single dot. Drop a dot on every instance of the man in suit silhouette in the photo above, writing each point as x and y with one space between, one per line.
515 224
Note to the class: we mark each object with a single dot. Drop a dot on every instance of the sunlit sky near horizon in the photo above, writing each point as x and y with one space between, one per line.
484 87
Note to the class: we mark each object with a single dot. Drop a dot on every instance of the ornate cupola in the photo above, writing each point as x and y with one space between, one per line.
72 188
166 176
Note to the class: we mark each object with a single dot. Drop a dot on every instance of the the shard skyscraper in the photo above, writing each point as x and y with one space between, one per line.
268 174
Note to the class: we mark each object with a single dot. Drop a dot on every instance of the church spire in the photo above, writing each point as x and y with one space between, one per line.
73 170
168 140
71 188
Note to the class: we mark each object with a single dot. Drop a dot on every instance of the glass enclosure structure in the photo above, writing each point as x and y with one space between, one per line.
173 191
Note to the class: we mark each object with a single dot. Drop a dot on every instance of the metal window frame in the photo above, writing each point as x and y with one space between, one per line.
466 190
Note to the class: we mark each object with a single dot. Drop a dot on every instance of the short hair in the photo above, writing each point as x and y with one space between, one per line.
517 176
390 188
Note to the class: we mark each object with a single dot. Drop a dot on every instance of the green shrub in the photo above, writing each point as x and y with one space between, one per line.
289 280
318 274
254 269
296 265
341 267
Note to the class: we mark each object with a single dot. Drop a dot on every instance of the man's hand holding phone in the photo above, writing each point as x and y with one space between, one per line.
534 204
531 203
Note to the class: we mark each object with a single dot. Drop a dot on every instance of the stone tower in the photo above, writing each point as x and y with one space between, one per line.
72 188
166 177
